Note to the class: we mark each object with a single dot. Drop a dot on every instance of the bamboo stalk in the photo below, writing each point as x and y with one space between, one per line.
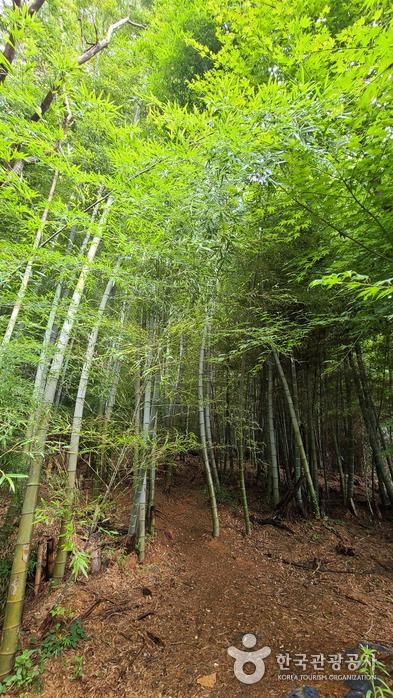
202 428
298 437
61 556
272 438
39 567
29 267
17 584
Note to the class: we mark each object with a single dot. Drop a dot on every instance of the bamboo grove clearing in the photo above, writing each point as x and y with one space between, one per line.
196 306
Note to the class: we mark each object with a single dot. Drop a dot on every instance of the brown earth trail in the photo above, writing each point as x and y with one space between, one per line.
156 630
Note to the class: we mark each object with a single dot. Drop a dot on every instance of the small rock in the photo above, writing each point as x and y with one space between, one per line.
376 646
345 550
358 685
371 645
305 692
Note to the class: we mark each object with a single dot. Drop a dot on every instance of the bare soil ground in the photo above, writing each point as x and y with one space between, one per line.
206 594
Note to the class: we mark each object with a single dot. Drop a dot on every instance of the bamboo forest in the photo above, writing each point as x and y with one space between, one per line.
196 371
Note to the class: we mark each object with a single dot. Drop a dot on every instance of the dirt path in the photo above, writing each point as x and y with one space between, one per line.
206 594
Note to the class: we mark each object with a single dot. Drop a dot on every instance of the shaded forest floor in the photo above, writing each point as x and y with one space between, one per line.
205 594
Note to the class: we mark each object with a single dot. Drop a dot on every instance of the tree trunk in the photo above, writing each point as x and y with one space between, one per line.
209 439
29 267
242 482
205 453
272 437
39 567
61 556
140 472
298 437
172 408
366 406
298 467
350 451
16 593
142 520
111 400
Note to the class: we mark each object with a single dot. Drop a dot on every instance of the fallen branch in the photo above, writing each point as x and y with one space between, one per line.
317 565
385 567
155 639
284 502
91 608
358 600
145 615
107 613
275 521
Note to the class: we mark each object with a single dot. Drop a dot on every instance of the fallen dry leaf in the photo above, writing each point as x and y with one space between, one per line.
207 681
